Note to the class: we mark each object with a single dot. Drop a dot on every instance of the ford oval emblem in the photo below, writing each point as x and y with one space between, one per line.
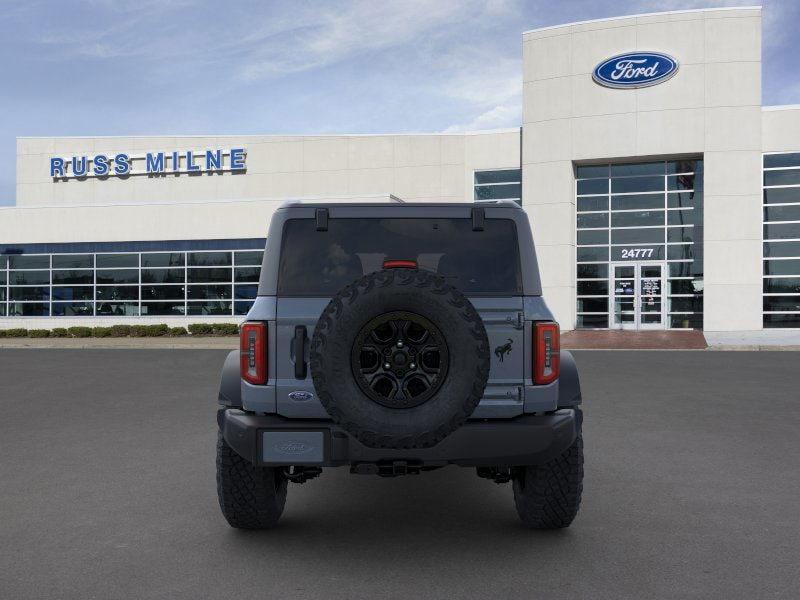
300 396
293 448
635 70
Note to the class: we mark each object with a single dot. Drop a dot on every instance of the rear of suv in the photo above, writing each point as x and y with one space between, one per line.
396 338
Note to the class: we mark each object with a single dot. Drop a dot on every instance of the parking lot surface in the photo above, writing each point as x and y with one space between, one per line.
107 491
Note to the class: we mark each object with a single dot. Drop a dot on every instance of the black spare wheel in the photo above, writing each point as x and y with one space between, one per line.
400 358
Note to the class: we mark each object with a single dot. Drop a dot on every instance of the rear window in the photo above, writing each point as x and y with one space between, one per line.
320 263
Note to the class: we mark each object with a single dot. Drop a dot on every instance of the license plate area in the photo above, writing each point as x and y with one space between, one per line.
293 447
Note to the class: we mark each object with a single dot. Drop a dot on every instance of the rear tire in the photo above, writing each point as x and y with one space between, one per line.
250 497
548 496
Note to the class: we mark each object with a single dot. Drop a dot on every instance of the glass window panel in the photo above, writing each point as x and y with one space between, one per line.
782 195
2 294
246 274
593 321
592 288
789 159
781 249
164 259
162 308
209 308
682 182
209 292
28 309
163 276
593 220
117 309
592 236
72 309
118 276
637 202
684 199
624 271
162 292
209 259
245 292
29 293
648 168
637 184
679 252
637 236
684 166
694 304
788 177
788 320
651 271
118 292
73 277
73 261
782 303
24 261
596 203
681 269
782 231
592 271
112 261
29 277
637 219
498 176
685 286
586 171
680 234
782 285
599 305
2 277
686 321
592 254
498 192
81 292
241 307
592 186
782 267
682 217
248 258
3 262
782 213
209 275
3 308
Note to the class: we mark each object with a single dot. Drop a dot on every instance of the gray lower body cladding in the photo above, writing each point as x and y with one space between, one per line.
270 440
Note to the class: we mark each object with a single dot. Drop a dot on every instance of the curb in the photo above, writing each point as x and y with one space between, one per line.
203 343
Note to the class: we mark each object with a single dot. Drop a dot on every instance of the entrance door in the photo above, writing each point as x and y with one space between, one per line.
637 295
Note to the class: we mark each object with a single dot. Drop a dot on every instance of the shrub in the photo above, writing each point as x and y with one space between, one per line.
101 332
59 332
225 329
177 331
120 330
201 329
38 333
80 332
16 332
157 330
138 331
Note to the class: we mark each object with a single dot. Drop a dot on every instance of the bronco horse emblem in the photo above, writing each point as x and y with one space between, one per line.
501 351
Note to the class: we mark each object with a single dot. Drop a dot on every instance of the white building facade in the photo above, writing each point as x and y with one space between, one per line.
664 197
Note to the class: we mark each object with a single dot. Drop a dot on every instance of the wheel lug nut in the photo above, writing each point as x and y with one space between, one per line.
400 344
386 365
413 366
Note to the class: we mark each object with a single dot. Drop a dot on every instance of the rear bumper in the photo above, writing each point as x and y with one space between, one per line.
270 440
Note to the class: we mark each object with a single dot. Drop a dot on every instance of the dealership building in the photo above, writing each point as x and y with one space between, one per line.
661 193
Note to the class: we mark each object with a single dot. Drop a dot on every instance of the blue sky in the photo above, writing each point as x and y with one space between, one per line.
152 67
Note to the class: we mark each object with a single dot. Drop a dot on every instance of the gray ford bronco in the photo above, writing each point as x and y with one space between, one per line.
395 338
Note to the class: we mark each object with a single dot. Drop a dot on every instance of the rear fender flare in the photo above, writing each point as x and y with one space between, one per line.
569 384
230 385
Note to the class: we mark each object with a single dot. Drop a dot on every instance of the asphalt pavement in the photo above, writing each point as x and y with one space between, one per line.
107 491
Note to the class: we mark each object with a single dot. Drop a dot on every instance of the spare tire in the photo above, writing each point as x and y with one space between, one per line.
400 358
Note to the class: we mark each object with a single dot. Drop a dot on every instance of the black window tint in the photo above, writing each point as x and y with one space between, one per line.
499 176
245 291
209 292
117 292
592 254
782 249
592 288
248 258
694 304
593 220
28 277
680 234
209 259
782 303
118 276
782 267
782 213
163 259
783 231
162 292
162 308
22 261
782 285
73 277
593 203
113 261
477 262
593 236
592 271
593 186
498 192
163 276
73 261
782 195
209 308
29 309
686 321
680 269
29 293
73 292
72 309
593 321
787 320
246 274
209 275
791 159
788 177
598 305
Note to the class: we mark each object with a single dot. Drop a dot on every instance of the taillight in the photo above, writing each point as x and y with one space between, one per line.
546 352
253 353
399 264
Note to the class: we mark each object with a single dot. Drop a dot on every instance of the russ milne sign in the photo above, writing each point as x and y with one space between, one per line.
152 163
635 70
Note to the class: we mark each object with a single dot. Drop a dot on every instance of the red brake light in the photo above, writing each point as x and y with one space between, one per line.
399 264
546 352
253 353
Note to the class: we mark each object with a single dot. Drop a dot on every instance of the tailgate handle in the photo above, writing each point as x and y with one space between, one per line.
299 347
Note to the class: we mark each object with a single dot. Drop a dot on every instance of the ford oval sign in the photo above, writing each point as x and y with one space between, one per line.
635 70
